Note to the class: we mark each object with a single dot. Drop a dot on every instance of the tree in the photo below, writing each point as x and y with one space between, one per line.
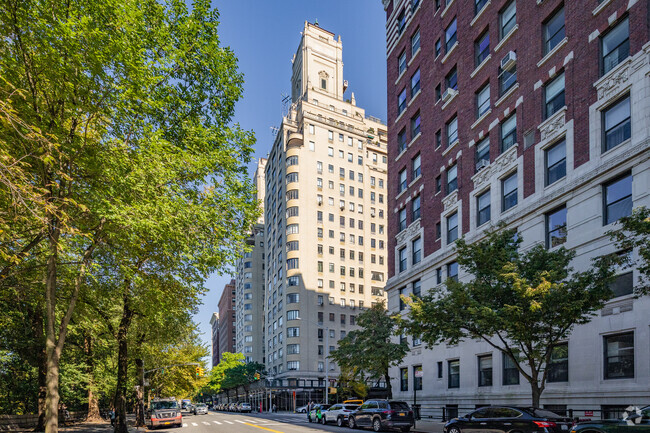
117 137
635 233
522 304
369 349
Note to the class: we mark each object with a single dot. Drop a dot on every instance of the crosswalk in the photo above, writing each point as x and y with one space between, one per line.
292 419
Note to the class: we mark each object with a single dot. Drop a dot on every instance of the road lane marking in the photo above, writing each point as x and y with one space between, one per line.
229 422
250 420
194 424
216 422
185 425
206 423
263 428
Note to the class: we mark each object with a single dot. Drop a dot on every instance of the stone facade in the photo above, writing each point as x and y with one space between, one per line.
227 319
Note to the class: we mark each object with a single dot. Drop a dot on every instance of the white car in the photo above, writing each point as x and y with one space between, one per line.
339 413
302 409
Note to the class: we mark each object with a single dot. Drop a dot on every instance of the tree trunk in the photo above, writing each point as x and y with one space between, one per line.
41 360
536 393
139 407
122 365
389 387
53 353
93 403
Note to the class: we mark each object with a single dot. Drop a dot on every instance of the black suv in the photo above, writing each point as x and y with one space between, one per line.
499 419
383 414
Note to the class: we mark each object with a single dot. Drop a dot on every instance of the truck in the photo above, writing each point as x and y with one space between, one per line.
164 412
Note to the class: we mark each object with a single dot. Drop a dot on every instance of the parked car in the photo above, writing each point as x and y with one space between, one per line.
163 412
232 407
383 414
339 413
312 416
245 407
301 409
200 409
510 419
635 421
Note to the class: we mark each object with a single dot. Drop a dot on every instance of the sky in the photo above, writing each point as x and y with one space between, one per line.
264 35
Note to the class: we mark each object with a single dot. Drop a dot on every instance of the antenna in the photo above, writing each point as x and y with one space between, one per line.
274 131
285 104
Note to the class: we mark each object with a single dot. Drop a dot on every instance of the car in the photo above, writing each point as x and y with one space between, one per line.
312 416
245 407
506 419
302 409
232 407
339 413
635 420
163 412
383 414
200 409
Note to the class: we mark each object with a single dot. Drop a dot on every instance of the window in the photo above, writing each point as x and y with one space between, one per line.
450 36
293 349
554 31
330 136
292 263
292 229
439 369
616 124
556 230
293 298
622 285
401 102
416 165
483 101
404 379
617 198
401 63
415 125
452 79
293 315
415 208
401 140
483 208
507 18
510 372
615 45
452 271
508 133
452 179
438 47
554 96
415 83
555 162
438 92
415 42
402 180
452 131
438 138
417 288
292 160
509 190
507 79
558 367
402 259
485 370
417 371
482 48
483 153
402 219
453 374
293 365
416 250
438 230
293 332
452 228
401 22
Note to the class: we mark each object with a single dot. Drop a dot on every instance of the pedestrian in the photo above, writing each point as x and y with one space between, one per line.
275 408
112 415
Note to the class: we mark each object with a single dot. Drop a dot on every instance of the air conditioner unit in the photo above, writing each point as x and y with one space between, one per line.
449 93
509 61
482 164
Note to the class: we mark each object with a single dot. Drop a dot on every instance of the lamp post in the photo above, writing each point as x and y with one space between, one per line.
327 363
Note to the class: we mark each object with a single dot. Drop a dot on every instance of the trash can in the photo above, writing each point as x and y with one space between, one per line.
416 411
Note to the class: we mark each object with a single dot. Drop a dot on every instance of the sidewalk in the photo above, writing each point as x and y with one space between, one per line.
428 426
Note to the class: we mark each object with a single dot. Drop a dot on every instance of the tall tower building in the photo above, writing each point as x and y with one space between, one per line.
533 114
249 283
227 319
214 325
325 214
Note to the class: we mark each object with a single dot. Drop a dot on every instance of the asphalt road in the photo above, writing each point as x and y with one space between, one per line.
227 422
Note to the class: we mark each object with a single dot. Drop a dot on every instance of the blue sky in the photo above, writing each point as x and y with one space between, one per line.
264 34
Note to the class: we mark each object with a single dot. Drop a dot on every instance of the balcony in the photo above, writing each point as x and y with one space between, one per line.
294 139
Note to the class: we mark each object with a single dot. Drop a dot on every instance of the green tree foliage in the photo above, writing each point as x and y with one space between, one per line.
119 167
368 352
231 373
522 304
634 233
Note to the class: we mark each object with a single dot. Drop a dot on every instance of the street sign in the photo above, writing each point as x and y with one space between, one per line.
589 413
419 373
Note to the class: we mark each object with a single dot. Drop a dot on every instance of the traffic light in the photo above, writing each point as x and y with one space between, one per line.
198 371
257 376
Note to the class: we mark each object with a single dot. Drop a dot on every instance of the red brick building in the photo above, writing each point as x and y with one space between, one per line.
227 319
528 112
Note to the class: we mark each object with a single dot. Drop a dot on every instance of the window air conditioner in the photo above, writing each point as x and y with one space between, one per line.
482 164
449 93
509 61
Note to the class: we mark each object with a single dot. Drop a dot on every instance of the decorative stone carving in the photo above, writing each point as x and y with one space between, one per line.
409 232
612 84
450 200
501 164
553 126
